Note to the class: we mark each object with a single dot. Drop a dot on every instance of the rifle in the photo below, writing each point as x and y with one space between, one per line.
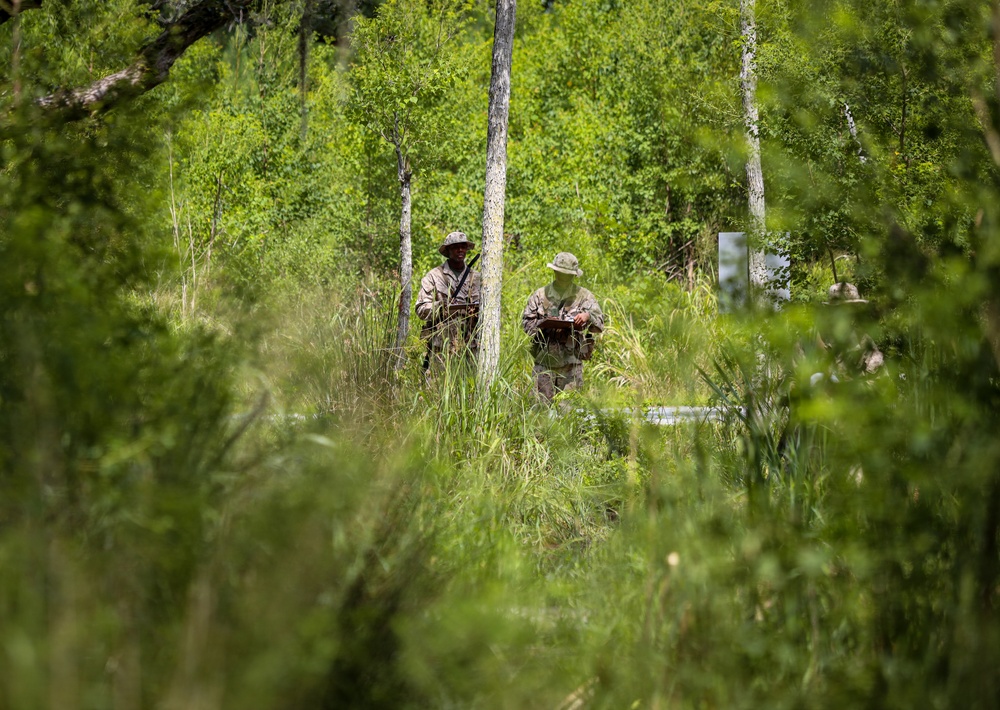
454 292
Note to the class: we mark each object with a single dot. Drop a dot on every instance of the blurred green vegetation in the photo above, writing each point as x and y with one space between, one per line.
216 491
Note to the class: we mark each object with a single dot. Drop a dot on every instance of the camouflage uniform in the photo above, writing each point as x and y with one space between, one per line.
859 355
448 333
559 355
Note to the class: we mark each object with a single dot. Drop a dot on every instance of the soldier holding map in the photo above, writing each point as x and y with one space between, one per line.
562 319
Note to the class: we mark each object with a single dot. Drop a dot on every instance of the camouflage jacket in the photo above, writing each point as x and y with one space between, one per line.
561 348
862 358
440 328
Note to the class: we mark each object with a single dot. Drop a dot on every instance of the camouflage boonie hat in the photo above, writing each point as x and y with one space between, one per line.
566 263
843 292
453 239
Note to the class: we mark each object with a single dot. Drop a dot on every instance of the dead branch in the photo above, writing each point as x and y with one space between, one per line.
152 66
12 8
986 123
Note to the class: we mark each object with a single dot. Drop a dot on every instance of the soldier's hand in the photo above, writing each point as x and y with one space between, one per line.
581 319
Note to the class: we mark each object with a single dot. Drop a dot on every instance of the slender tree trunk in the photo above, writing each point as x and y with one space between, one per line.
405 257
305 38
15 59
988 567
902 117
493 199
262 94
126 677
853 128
755 175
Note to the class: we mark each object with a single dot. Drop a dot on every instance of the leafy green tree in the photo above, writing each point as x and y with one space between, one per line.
243 170
404 64
114 422
181 25
624 133
918 213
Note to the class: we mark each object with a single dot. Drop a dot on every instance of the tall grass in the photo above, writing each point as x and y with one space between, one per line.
413 546
657 335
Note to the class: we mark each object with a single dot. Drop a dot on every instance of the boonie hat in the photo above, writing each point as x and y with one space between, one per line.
843 292
566 263
453 239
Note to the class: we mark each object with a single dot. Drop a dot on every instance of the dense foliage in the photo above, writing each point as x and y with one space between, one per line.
216 490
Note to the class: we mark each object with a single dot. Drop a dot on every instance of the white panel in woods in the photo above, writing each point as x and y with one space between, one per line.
734 276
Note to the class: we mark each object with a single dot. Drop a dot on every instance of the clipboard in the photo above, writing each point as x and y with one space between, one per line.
555 324
563 324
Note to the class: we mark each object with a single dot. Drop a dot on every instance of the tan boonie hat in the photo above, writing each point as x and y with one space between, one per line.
453 239
843 292
566 263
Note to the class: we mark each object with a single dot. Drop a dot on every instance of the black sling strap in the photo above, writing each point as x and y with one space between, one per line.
465 275
451 295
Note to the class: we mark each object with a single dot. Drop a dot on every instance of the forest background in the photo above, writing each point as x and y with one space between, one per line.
217 491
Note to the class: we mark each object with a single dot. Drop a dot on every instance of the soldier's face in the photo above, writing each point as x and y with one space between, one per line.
562 280
456 253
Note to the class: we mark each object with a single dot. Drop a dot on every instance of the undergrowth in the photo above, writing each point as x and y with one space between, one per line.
366 537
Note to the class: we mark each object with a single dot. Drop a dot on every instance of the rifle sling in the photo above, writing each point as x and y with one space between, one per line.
465 275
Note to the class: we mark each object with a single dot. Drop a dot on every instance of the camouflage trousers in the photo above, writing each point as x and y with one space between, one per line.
549 381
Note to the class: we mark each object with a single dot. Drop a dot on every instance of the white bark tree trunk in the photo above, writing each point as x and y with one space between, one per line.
405 258
853 128
493 199
755 175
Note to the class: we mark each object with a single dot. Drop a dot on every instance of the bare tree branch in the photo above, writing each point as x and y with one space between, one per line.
10 8
996 45
986 122
154 61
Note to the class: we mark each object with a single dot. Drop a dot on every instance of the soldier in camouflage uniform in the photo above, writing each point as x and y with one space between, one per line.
450 314
856 354
559 352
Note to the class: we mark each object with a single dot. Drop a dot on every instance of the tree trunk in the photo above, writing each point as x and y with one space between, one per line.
755 175
902 115
853 128
493 199
305 39
405 257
